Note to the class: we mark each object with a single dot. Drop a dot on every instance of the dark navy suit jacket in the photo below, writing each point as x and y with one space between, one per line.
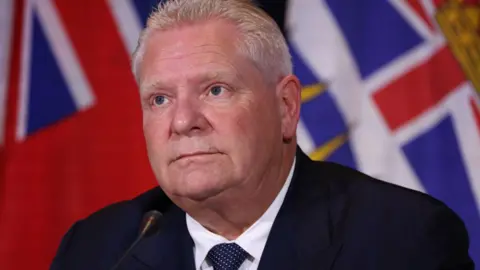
332 218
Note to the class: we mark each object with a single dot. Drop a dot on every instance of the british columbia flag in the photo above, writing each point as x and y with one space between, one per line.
390 88
404 77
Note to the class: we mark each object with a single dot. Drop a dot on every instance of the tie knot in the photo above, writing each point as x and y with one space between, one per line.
227 256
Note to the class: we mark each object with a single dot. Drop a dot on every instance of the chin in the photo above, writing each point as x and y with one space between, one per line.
200 186
200 195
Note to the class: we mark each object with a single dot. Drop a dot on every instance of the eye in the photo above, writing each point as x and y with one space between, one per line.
216 90
159 100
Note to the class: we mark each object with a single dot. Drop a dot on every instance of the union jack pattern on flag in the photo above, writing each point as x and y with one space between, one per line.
391 88
397 79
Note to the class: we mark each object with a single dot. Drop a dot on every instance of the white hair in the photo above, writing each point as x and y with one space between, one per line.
262 41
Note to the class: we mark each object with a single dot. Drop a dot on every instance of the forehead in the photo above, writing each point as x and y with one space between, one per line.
207 47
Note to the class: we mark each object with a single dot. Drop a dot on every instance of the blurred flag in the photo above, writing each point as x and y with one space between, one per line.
5 32
71 134
384 93
398 83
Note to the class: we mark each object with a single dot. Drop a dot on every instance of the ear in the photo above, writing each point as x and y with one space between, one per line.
289 98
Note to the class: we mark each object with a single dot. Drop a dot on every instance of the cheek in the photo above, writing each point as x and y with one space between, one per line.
234 123
261 119
241 131
251 121
155 130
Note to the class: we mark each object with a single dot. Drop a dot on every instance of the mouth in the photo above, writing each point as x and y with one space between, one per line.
195 155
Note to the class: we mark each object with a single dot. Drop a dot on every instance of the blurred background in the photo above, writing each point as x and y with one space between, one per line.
391 88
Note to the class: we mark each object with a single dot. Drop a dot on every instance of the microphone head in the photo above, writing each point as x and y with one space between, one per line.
151 223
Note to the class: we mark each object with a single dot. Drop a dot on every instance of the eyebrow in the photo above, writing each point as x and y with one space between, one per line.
200 79
156 84
231 76
217 74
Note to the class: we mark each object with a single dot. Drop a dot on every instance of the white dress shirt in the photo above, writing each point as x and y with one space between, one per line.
253 240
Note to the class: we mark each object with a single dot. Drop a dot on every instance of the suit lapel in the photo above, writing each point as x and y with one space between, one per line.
170 249
302 236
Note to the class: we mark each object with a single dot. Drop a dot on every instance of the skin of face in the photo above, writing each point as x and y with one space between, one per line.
213 126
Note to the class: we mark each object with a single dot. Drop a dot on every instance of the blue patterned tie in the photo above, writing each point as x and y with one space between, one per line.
227 256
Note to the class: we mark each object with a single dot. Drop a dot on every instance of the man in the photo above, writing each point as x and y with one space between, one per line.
220 111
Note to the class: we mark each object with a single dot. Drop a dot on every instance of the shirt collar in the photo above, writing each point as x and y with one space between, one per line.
253 240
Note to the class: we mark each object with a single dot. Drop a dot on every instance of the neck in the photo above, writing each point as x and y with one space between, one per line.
231 213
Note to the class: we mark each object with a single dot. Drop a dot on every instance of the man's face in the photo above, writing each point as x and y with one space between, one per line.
210 120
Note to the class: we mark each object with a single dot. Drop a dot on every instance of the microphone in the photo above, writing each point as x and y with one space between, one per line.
151 224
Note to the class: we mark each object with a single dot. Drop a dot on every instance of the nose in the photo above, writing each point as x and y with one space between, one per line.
188 118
